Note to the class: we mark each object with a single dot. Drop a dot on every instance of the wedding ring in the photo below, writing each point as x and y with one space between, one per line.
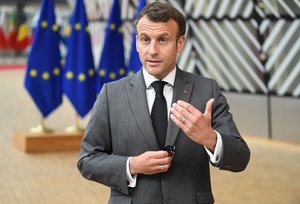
183 120
162 168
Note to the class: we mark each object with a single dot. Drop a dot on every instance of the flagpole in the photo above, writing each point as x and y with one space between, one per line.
41 128
76 127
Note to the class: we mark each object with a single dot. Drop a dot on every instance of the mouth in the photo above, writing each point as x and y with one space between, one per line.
153 62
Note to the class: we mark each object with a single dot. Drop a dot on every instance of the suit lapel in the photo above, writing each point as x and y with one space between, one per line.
182 90
136 90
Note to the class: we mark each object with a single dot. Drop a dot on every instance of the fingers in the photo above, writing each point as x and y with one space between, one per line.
163 164
209 105
163 168
150 162
192 122
185 112
195 124
186 109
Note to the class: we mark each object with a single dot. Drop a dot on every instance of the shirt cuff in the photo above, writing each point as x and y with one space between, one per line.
216 157
131 179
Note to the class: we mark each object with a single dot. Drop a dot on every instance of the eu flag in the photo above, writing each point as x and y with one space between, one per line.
134 63
79 72
111 66
43 73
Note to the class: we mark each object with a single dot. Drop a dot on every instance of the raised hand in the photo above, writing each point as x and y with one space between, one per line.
195 124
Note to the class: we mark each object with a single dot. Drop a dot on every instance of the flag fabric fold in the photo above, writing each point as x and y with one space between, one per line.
111 66
79 82
134 63
3 39
43 73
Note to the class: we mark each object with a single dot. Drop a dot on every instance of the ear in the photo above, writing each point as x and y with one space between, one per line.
180 44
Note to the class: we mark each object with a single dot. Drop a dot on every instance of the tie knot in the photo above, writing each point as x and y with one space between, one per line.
159 86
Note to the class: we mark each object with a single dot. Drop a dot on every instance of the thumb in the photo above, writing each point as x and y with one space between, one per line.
209 104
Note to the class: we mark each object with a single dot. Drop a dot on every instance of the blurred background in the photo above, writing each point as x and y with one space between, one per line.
250 47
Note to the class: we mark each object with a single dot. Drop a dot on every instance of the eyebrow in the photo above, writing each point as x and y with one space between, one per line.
165 34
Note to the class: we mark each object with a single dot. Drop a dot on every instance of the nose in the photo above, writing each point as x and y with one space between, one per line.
153 48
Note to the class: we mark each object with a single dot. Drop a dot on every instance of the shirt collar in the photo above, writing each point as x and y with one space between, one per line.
170 78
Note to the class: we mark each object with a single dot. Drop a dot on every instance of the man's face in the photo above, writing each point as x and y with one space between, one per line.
157 46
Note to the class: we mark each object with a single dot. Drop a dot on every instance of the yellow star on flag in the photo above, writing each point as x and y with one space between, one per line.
81 77
91 72
77 26
44 24
67 30
112 75
130 73
122 71
54 27
102 72
33 73
56 71
87 29
120 30
69 75
45 75
112 26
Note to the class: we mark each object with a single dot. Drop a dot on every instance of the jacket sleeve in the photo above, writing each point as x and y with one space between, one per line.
236 153
96 162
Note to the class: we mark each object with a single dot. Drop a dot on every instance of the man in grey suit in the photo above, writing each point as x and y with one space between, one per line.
120 148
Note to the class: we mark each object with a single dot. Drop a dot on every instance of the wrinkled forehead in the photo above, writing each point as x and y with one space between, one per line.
149 26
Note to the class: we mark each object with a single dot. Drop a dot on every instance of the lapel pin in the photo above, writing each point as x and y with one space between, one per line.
186 92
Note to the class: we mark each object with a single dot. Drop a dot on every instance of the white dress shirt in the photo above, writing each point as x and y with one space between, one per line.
168 93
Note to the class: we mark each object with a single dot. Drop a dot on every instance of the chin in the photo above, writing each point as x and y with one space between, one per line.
154 71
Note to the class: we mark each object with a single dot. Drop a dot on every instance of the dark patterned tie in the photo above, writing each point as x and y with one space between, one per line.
159 113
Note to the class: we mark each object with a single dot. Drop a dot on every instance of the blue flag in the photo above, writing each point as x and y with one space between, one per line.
111 66
79 73
43 74
134 63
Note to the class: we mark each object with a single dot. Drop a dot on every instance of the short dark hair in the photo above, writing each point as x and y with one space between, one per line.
163 12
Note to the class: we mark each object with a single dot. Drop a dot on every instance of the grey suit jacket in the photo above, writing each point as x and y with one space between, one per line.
120 126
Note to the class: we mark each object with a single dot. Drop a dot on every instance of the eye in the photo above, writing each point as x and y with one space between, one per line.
163 40
145 40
